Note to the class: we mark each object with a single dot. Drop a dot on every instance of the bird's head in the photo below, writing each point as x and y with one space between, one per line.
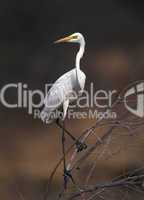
74 38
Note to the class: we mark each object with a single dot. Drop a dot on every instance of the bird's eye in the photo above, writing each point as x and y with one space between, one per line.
75 37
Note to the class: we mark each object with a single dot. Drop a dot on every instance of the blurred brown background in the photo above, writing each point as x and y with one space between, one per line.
114 57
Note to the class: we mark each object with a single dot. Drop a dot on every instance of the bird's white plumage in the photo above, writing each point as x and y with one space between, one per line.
67 88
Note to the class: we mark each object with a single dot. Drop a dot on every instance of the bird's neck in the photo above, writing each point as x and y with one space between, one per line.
80 54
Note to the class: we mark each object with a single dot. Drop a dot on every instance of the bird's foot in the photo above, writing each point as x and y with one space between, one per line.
67 175
80 146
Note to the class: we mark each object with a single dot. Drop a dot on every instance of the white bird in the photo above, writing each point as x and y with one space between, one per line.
62 93
64 89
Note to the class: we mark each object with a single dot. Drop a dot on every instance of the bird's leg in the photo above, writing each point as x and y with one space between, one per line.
67 173
65 107
67 132
64 159
79 145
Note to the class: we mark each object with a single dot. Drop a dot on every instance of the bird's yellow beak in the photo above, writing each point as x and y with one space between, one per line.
65 39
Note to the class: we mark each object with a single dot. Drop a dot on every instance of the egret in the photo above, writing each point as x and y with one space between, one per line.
61 93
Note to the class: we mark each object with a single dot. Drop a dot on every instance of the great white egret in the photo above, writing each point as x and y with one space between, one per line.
61 93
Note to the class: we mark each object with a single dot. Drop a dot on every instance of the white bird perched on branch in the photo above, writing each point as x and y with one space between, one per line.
62 91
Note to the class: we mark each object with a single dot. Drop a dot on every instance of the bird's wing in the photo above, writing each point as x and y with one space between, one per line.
60 90
65 88
58 93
